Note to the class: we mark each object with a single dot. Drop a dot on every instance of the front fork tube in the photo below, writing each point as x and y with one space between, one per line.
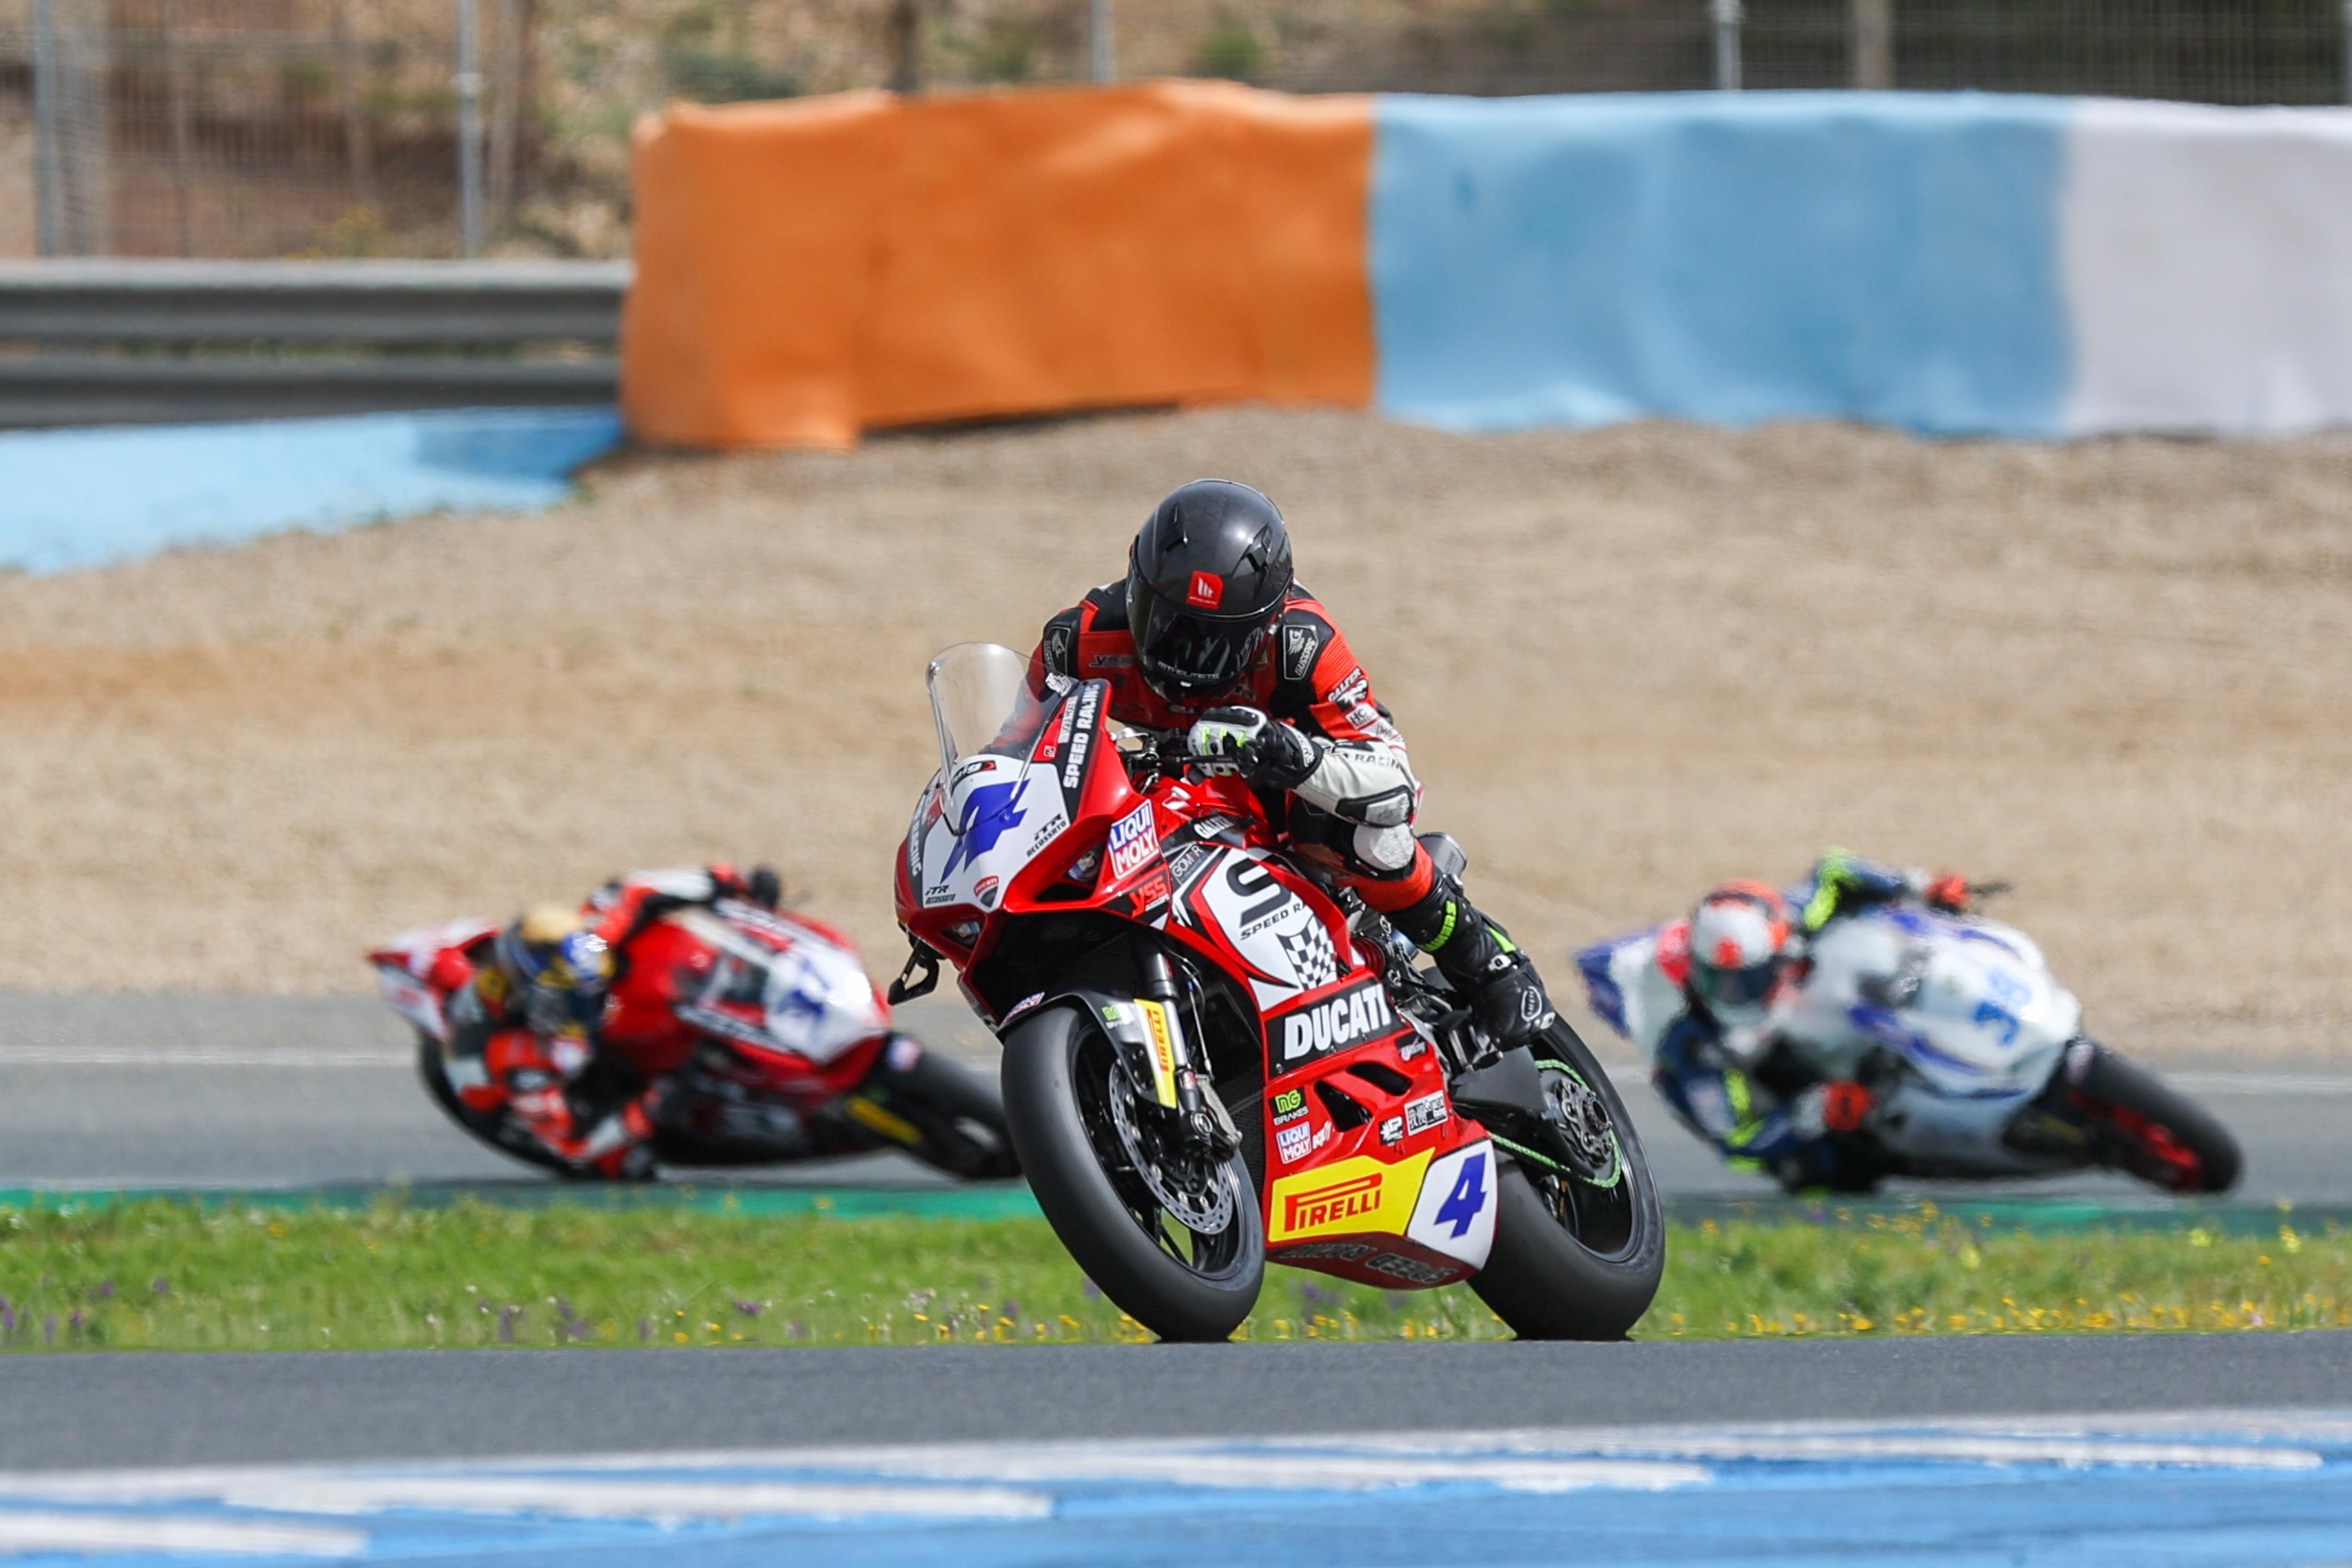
1200 1110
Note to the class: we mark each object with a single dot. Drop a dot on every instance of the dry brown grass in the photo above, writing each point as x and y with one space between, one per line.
1630 661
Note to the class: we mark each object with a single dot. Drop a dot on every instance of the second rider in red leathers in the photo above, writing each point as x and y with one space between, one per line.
1209 633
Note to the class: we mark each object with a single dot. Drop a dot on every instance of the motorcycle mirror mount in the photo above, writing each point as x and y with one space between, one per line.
919 978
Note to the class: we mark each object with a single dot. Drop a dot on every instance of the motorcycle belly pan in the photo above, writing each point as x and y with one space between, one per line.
1426 1218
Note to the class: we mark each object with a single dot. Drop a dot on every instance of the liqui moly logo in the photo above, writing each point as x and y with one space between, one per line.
1319 1207
1353 1016
1134 840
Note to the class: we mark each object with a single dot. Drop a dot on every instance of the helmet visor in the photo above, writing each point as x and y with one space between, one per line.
1732 991
554 1009
1194 652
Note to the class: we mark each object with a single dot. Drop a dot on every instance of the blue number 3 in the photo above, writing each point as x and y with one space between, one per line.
2000 1017
1467 1200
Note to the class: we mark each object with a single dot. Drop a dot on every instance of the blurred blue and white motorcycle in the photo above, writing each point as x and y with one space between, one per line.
1973 1055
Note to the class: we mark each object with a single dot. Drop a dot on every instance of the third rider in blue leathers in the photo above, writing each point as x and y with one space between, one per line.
1698 995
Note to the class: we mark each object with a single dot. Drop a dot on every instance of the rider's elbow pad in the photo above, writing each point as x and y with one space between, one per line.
1371 784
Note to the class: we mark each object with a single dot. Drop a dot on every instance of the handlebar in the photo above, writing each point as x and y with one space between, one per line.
1164 753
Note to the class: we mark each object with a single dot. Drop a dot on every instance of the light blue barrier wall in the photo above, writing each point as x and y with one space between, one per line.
1727 258
84 496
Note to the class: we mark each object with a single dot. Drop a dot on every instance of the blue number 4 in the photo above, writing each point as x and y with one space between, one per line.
1464 1204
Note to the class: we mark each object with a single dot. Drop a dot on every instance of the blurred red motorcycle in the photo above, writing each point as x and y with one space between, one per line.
769 1038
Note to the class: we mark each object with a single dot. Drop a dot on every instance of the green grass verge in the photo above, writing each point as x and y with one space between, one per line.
176 1275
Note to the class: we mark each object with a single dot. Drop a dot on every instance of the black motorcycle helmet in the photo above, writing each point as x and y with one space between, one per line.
1204 585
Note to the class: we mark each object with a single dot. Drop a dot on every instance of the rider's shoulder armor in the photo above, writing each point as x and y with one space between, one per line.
1301 635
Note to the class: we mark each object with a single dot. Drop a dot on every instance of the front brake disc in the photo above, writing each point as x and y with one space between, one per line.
1199 1194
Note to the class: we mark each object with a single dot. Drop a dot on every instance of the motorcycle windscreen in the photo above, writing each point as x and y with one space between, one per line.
980 702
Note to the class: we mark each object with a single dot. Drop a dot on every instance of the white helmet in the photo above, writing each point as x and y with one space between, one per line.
1740 947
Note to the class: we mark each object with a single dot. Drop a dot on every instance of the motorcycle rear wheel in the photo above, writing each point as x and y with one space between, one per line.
1573 1259
1059 1073
2154 1131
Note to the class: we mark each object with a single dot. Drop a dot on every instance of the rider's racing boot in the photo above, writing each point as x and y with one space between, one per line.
1481 962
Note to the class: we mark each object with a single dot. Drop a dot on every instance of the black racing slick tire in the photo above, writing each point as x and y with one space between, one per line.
963 1120
491 1128
2154 1131
1057 1069
1573 1259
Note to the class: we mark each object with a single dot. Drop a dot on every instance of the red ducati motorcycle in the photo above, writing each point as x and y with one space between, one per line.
775 1045
1214 1058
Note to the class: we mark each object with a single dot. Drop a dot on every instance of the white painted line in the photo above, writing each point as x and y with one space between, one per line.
2252 1085
85 1533
115 1055
1255 1468
663 1502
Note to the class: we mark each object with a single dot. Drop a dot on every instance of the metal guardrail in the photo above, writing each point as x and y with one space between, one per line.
115 341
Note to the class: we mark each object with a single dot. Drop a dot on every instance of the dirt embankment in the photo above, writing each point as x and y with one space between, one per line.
1629 662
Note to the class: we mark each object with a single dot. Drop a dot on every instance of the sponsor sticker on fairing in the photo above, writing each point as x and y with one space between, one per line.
1353 1198
1393 1129
1412 1270
1358 1013
1289 1106
1428 1112
1343 1251
1134 841
1163 1050
1295 1142
1082 735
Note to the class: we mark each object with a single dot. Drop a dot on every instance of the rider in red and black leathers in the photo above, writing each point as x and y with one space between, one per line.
1209 633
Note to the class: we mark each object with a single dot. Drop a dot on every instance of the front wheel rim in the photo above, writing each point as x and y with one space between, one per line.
1164 1189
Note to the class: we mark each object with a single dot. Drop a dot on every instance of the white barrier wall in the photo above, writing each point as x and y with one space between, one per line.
2207 266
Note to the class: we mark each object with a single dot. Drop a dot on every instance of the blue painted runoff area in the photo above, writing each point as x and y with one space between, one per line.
1728 257
2161 1493
85 497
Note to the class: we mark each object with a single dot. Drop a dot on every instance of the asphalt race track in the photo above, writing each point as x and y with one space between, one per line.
2154 1451
229 1091
71 1411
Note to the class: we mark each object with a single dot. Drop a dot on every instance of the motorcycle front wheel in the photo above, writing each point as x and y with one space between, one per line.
491 1126
1579 1241
2148 1129
1172 1239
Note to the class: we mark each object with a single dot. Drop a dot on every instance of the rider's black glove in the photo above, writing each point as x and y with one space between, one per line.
1247 741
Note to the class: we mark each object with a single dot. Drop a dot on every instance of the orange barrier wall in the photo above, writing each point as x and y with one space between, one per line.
810 269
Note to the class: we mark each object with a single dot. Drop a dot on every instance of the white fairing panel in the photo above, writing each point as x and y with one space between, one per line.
1000 814
413 1000
818 1000
1969 1006
402 984
1456 1212
1650 1001
1275 929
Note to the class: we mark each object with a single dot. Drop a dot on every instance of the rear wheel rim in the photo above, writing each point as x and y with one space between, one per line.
1164 1187
1593 1200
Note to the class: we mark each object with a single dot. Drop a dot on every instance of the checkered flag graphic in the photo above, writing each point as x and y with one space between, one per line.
1311 955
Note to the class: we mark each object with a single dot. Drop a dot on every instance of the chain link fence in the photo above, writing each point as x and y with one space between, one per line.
435 128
